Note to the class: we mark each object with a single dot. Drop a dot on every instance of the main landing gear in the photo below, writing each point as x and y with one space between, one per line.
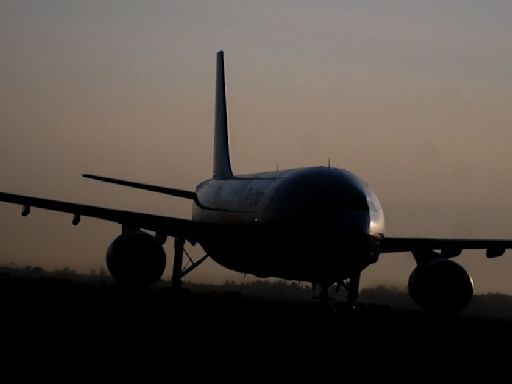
178 272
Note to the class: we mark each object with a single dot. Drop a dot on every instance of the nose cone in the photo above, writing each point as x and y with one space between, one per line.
321 197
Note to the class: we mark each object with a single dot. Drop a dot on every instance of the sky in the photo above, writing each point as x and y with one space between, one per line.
412 96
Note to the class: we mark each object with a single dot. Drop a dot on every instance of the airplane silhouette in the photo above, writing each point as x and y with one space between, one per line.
318 224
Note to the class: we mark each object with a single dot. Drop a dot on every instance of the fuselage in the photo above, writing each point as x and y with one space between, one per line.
316 224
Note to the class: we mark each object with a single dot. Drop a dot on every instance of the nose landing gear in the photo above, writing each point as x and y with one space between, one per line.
351 285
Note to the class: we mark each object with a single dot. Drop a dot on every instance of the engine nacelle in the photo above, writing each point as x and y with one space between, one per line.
136 259
441 286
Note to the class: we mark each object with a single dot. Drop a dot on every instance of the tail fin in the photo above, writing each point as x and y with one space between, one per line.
221 160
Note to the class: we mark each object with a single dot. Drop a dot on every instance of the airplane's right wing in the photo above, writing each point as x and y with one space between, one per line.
449 247
171 226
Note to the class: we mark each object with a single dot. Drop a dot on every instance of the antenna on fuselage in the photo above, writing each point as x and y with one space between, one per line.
221 158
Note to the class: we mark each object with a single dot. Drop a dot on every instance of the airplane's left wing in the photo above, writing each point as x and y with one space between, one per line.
448 247
185 229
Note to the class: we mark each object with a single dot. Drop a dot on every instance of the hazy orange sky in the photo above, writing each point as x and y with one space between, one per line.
413 96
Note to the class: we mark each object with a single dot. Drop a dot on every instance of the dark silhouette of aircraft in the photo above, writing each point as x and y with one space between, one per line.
318 224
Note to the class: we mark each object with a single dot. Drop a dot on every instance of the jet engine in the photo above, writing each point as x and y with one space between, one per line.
441 286
136 259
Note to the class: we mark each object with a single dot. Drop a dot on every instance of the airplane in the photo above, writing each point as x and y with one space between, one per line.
322 225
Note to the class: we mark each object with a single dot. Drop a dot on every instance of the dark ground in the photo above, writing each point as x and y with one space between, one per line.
75 300
76 316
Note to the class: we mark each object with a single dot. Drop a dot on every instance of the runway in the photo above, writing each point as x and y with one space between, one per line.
65 307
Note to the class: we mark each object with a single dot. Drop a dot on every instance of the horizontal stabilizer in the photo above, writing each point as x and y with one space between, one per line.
153 188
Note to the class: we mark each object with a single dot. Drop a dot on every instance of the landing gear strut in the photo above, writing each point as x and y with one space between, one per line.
351 285
177 269
353 289
178 262
324 295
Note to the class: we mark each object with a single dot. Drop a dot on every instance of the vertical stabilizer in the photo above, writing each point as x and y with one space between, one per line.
221 160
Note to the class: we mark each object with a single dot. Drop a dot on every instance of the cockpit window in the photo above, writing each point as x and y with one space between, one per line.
372 206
